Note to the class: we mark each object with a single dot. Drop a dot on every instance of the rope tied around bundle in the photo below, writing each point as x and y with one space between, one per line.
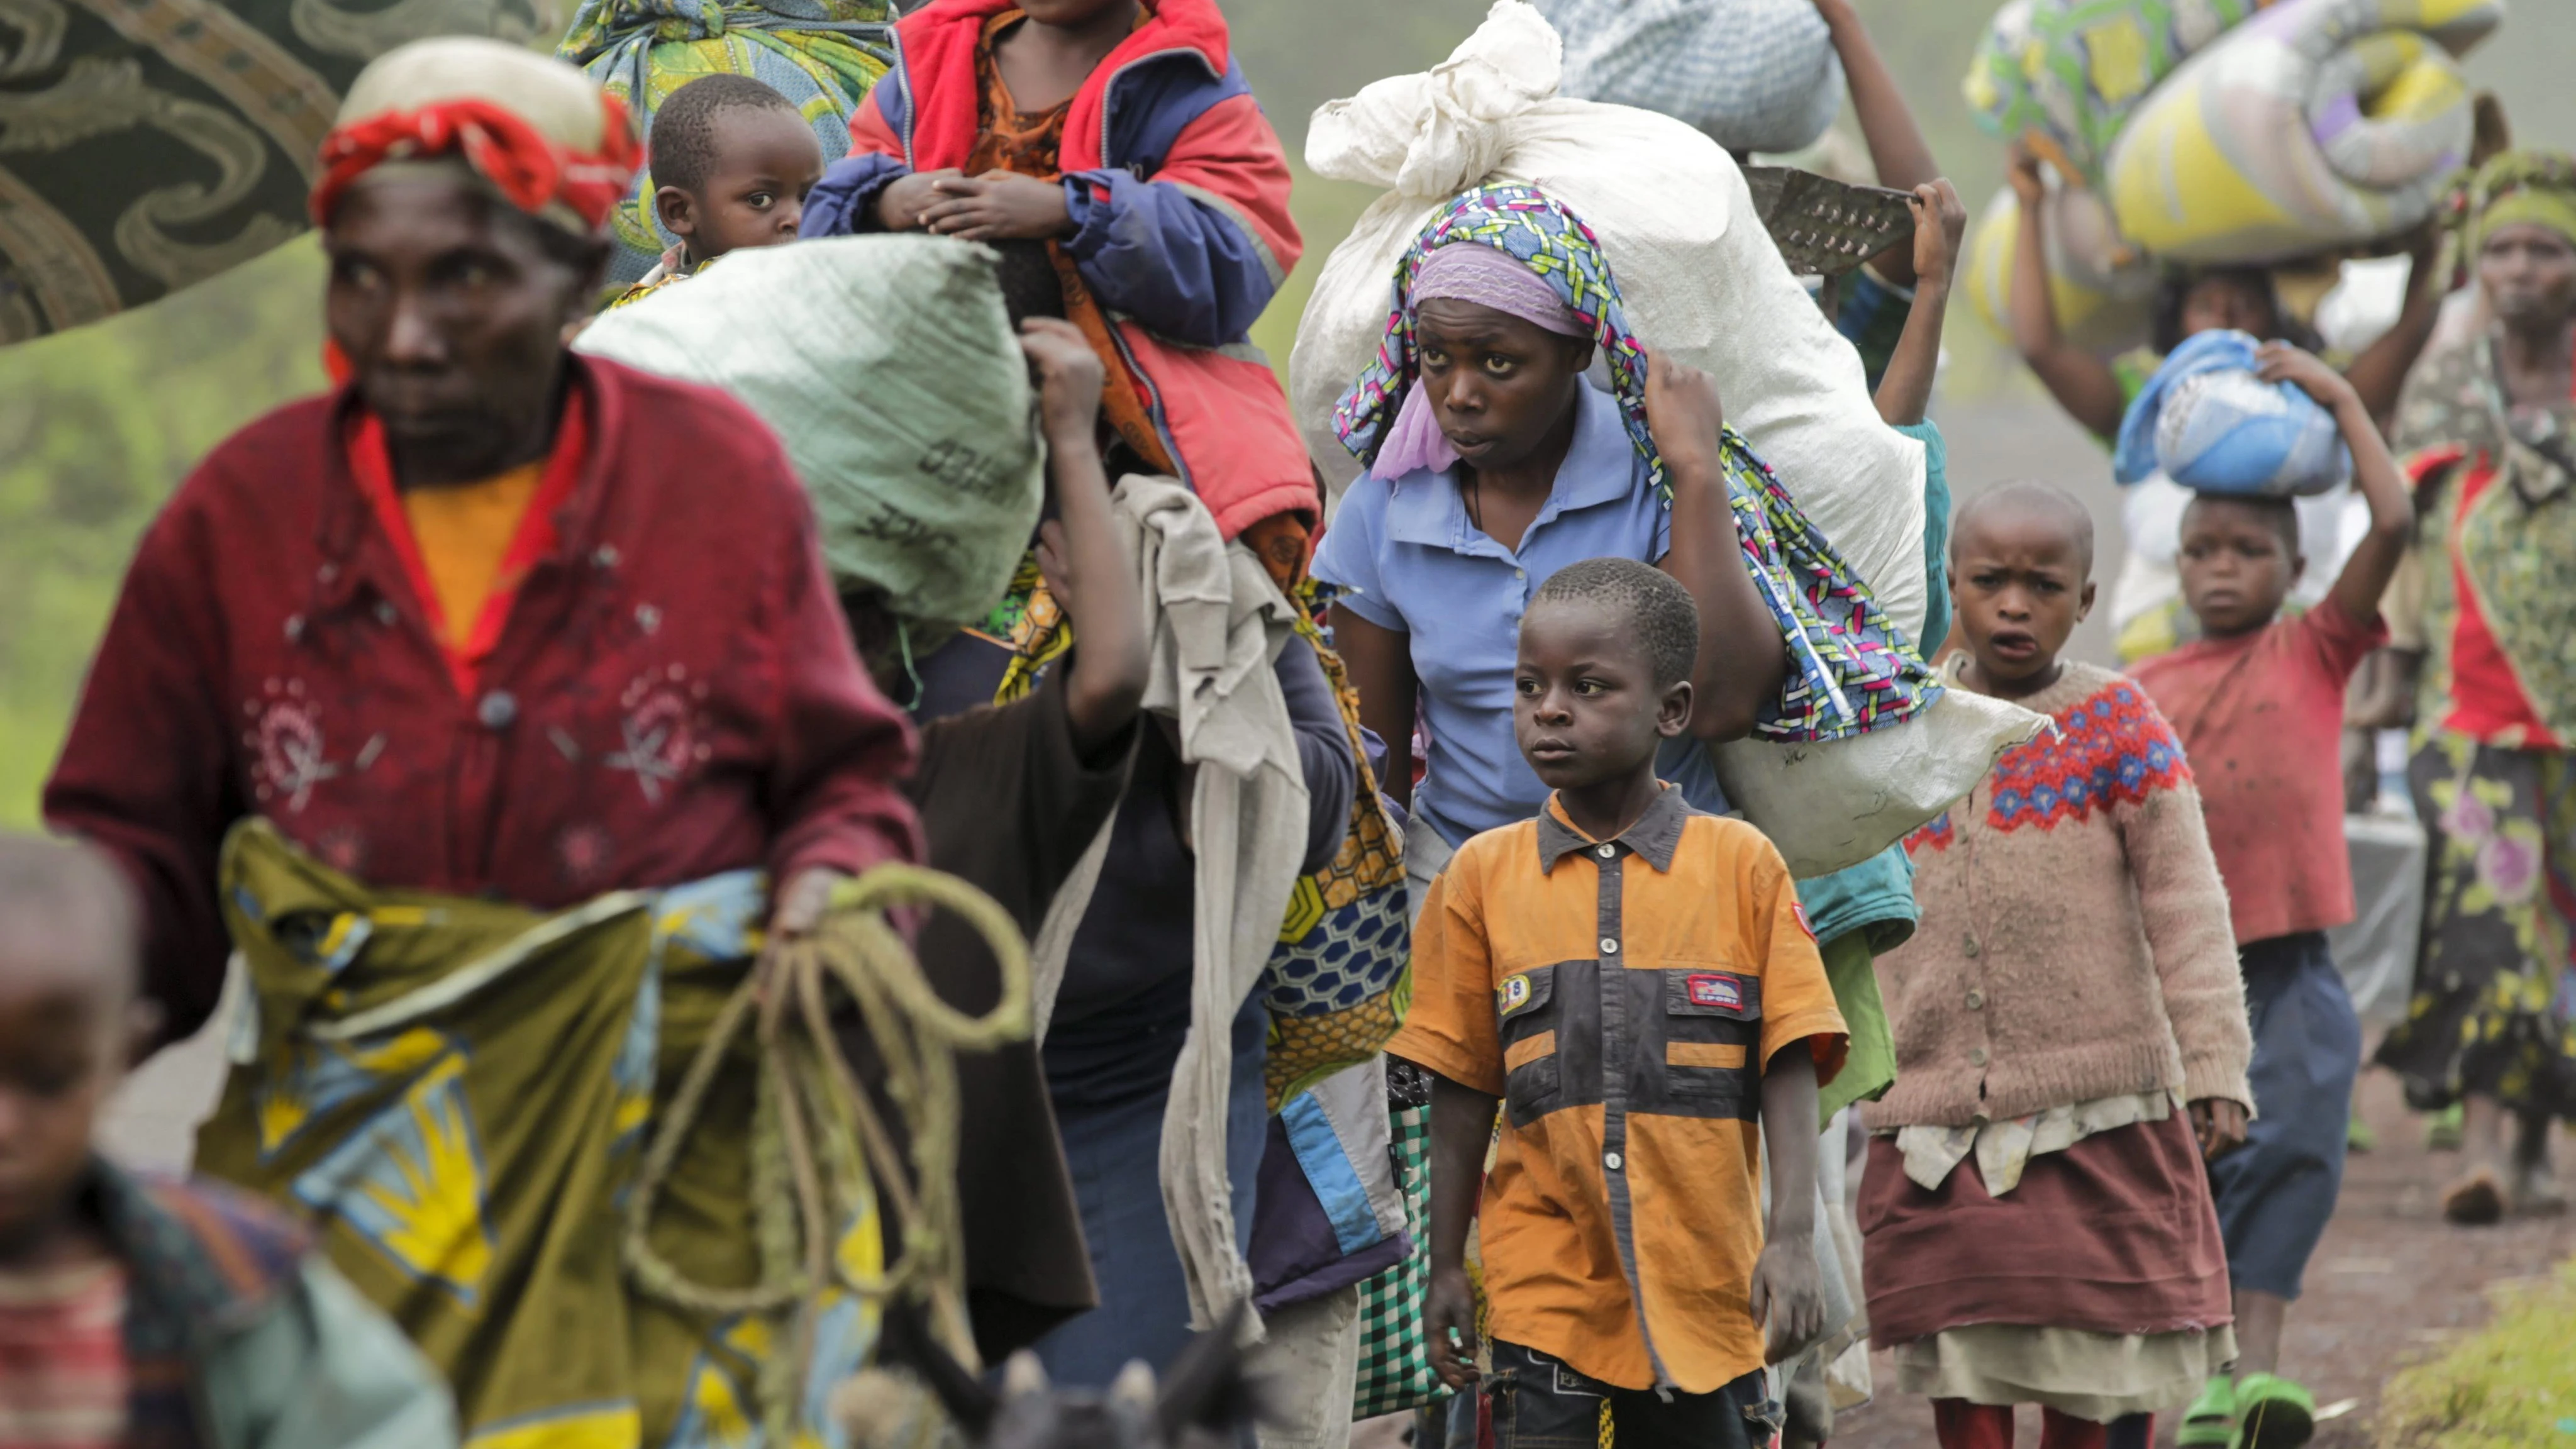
819 1146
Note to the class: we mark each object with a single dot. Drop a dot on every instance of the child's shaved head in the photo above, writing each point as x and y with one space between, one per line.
2027 503
70 1023
2021 575
732 162
65 907
684 143
1657 612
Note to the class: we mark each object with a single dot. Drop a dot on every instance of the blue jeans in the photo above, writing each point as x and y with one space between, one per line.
1115 1154
2276 1192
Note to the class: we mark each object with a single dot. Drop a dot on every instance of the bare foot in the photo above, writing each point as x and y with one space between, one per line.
2476 1200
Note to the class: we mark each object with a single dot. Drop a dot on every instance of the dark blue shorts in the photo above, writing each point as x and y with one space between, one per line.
2276 1192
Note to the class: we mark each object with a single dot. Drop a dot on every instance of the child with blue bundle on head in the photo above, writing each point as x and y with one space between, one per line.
2257 701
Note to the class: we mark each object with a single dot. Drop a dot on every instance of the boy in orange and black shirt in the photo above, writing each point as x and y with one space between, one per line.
1629 977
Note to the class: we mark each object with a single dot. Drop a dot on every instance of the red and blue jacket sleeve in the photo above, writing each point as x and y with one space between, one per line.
844 201
1196 253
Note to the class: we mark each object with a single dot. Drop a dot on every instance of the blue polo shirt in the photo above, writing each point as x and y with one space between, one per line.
1406 558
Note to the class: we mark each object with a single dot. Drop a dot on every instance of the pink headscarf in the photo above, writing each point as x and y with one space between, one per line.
1488 277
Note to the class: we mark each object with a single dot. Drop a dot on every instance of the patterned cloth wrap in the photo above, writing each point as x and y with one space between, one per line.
822 55
2311 126
459 1092
1395 1354
2510 550
1340 978
2063 75
1853 670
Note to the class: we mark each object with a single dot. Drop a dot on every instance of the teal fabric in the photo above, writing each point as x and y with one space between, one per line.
322 1369
1936 534
1877 895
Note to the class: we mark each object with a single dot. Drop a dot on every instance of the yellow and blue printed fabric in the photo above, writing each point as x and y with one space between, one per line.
1341 976
2103 288
457 1094
823 55
2318 123
2063 75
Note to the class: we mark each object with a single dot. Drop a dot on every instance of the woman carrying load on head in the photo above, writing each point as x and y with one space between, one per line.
2487 604
470 704
2096 393
2147 609
1492 464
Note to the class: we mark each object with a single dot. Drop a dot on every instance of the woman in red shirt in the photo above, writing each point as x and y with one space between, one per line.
500 629
2488 430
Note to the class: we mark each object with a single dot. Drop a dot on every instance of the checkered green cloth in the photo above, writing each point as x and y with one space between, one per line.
1395 1357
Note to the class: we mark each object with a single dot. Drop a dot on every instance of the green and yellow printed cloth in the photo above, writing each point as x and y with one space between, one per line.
457 1093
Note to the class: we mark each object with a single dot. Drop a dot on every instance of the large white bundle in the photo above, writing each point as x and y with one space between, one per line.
1756 75
1828 806
1704 284
1703 281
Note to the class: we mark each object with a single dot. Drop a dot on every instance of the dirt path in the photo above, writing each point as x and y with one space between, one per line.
2390 1285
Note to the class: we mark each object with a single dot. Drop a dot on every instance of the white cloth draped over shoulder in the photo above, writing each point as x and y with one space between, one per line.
1216 624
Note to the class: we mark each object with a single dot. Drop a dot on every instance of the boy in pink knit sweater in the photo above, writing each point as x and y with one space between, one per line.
2070 1040
2258 701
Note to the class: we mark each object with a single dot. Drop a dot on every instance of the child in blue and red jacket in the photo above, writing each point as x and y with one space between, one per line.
1122 134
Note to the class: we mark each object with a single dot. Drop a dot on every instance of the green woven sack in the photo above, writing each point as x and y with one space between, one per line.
887 367
1395 1357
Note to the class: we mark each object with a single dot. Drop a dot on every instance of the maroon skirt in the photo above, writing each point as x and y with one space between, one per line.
2116 1234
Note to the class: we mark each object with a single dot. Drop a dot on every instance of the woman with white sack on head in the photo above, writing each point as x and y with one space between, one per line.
1493 464
1705 285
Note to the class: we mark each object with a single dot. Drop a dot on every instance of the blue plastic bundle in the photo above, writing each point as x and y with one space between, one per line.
2208 423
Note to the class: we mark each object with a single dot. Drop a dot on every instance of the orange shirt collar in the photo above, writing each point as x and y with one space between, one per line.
372 464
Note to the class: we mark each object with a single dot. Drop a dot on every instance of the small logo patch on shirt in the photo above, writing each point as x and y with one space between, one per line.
1712 990
1514 993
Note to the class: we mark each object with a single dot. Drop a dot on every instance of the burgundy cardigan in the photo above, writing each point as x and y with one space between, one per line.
672 695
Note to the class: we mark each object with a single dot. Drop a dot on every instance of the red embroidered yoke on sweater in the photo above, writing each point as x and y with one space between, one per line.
2075 941
672 694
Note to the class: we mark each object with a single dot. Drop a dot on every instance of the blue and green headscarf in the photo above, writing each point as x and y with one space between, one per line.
1537 231
1852 670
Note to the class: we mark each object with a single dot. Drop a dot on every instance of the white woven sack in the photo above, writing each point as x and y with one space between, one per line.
1701 288
887 368
1828 806
1755 75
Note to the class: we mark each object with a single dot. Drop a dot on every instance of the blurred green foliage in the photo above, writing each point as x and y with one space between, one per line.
98 425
